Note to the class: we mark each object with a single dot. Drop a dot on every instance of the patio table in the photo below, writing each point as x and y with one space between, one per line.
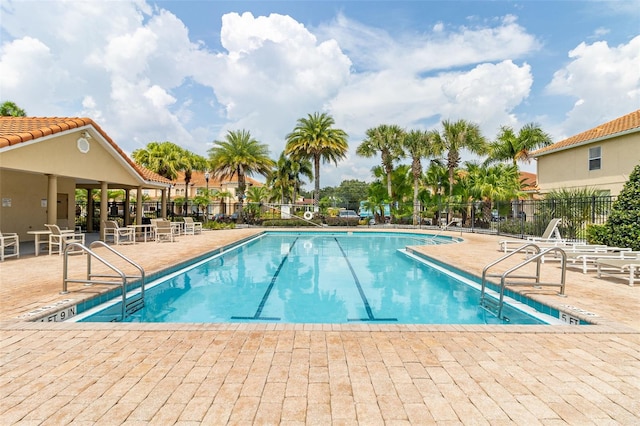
37 240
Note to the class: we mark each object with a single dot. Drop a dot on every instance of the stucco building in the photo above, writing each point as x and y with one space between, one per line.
600 158
43 160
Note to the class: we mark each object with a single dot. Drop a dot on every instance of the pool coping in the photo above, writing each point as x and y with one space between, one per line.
598 324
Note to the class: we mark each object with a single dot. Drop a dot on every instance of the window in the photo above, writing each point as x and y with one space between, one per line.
595 158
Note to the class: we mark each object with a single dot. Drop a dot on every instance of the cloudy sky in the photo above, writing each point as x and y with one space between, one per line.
189 71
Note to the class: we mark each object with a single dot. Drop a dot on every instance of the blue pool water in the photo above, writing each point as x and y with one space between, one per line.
303 277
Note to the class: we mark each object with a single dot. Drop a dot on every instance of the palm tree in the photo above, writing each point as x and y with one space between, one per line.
240 155
455 137
435 180
511 147
285 180
301 168
315 138
164 158
418 144
387 140
490 183
190 162
10 109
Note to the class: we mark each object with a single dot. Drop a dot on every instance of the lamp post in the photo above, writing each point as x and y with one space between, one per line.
206 178
439 208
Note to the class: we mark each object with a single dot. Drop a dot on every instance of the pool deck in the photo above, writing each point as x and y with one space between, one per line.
88 373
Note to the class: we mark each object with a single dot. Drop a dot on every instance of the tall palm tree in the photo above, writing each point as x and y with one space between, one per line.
387 140
190 162
279 179
456 136
164 158
240 155
491 183
285 178
299 169
418 144
511 147
315 138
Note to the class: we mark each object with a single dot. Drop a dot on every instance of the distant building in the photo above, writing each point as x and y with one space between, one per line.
600 158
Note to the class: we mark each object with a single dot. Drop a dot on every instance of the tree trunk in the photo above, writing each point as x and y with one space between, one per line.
416 206
316 192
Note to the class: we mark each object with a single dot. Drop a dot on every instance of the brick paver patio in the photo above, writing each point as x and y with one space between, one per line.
90 373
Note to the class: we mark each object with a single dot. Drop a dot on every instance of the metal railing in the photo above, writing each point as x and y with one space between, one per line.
117 278
537 257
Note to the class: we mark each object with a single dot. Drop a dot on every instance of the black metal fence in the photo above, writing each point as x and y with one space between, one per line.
517 218
524 218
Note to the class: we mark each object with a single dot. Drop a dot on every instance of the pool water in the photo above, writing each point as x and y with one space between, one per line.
320 277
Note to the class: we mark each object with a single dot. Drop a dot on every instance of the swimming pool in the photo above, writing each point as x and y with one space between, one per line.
316 277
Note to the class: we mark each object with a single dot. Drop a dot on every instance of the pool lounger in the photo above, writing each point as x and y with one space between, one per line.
586 257
612 267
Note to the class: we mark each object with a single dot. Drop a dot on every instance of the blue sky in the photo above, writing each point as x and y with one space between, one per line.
189 71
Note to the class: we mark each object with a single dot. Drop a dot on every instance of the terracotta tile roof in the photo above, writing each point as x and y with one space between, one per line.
625 124
198 180
17 130
529 181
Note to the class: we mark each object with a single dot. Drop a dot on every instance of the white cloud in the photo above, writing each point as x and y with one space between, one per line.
142 78
604 81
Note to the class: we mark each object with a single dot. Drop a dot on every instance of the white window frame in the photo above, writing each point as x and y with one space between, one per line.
595 160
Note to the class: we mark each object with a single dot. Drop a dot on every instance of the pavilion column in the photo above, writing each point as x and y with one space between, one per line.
90 210
104 205
52 199
163 203
139 205
127 217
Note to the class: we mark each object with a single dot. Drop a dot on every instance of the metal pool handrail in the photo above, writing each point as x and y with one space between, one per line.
119 274
537 257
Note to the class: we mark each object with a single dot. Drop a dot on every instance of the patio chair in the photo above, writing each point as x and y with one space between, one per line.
117 234
163 231
629 265
58 239
550 235
9 241
191 227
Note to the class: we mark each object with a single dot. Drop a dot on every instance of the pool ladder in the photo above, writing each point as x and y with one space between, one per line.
129 304
495 306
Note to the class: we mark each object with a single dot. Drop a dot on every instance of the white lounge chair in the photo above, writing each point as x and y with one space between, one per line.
163 231
9 241
586 257
550 235
58 239
117 234
613 267
191 227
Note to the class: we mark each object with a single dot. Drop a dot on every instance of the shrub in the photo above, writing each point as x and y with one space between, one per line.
623 224
342 221
283 223
218 225
517 226
597 234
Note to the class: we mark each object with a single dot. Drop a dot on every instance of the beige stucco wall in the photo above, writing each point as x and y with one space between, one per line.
22 196
570 168
60 156
24 183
